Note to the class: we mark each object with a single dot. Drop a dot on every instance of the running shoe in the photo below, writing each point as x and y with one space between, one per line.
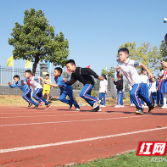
164 106
117 106
36 106
77 109
139 111
30 104
41 103
96 104
48 106
121 106
151 108
96 109
70 105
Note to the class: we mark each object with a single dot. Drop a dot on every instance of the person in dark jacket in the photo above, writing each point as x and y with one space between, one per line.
120 93
84 75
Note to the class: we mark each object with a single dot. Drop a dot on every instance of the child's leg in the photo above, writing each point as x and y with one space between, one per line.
100 98
118 97
161 99
72 100
39 94
47 97
164 99
157 101
104 98
27 96
122 94
85 93
35 96
63 99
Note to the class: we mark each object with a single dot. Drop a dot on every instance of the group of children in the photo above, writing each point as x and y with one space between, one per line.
140 87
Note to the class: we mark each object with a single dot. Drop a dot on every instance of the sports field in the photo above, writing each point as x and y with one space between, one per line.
57 136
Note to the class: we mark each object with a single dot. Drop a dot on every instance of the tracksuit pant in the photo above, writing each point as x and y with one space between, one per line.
131 102
27 97
145 91
102 97
120 94
63 99
159 98
137 93
37 95
86 94
154 97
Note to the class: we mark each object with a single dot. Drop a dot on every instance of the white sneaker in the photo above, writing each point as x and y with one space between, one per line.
77 109
164 107
102 106
131 105
96 104
99 109
117 106
122 106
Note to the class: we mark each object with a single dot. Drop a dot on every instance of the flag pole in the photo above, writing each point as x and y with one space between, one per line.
13 69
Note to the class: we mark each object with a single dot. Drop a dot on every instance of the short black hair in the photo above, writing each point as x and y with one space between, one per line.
123 50
47 75
29 71
104 76
71 61
59 69
16 76
165 36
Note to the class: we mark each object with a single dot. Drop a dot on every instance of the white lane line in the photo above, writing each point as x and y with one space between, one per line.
56 122
76 141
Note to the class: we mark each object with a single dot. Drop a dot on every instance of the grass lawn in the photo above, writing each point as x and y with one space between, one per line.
128 160
11 100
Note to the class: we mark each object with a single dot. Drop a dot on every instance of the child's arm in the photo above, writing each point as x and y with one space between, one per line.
22 82
88 71
71 81
12 86
51 84
105 88
114 81
150 75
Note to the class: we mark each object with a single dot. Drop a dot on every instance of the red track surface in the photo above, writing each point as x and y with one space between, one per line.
73 137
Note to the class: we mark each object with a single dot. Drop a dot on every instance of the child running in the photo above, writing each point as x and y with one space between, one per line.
103 90
24 88
128 68
64 89
33 82
46 87
120 93
84 75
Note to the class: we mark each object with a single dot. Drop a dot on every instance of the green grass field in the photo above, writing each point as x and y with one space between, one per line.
128 160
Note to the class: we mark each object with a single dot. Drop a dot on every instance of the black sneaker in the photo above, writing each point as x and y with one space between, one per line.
95 109
36 106
151 108
30 104
70 105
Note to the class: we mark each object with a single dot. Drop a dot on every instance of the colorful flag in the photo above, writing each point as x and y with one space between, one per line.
88 66
10 62
105 71
27 64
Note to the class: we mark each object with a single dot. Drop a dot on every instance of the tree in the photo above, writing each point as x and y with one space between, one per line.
149 56
163 50
110 72
35 40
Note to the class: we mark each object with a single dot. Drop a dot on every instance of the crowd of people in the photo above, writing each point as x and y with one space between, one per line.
145 90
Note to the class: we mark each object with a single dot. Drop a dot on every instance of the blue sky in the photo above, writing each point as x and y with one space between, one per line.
95 28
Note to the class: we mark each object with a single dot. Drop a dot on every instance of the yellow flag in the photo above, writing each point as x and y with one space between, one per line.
10 62
28 64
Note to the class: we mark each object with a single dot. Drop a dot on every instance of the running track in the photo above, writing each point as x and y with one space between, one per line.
57 136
